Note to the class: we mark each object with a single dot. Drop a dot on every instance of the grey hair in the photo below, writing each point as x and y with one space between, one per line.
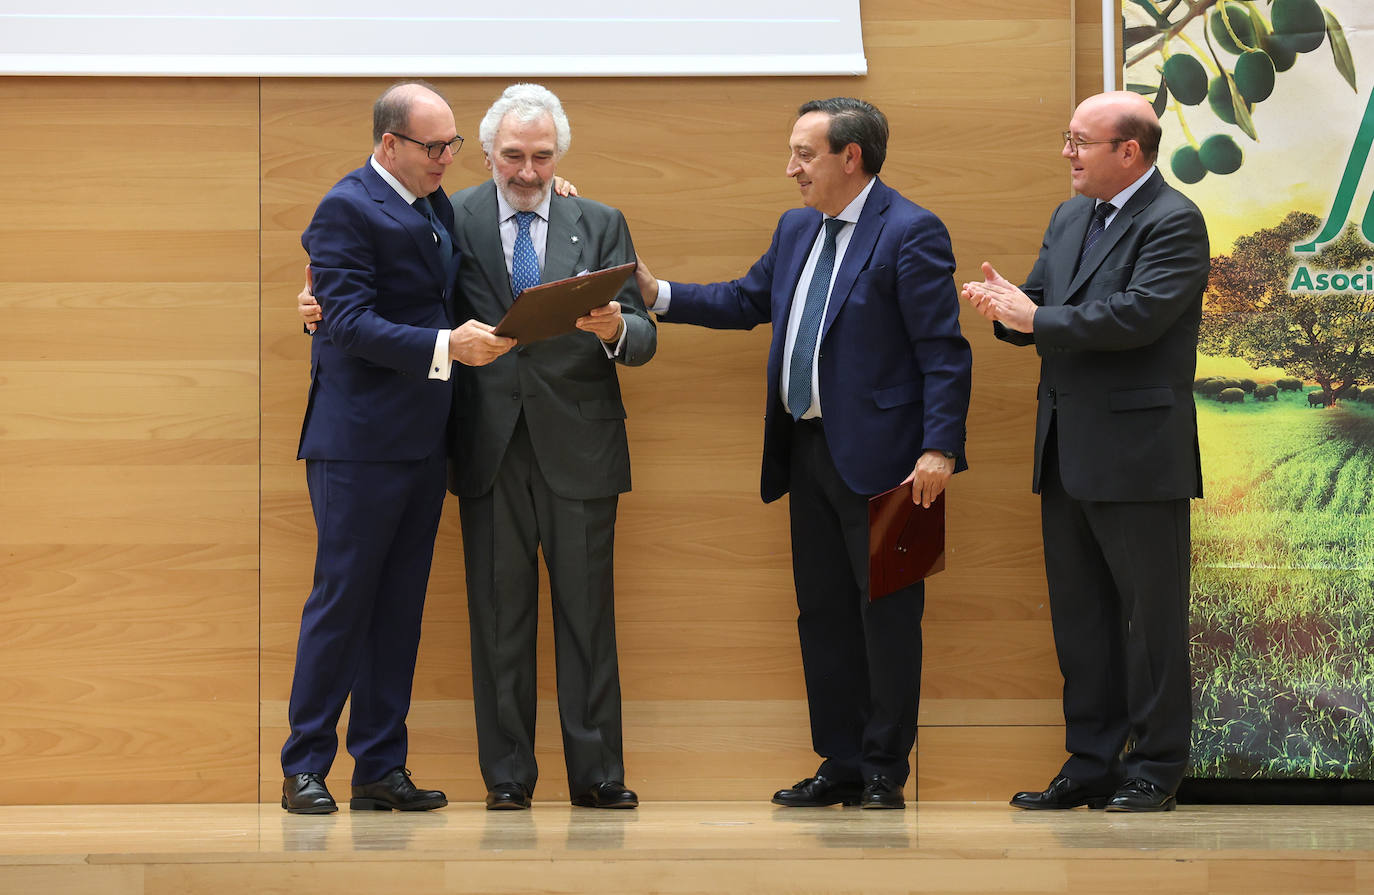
527 102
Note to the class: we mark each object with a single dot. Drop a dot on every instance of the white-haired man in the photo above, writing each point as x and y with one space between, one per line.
540 458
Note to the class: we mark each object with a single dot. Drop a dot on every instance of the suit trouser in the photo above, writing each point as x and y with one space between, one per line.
861 659
502 531
360 628
1118 576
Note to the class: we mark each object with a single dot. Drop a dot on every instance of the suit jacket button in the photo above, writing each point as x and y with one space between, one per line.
515 396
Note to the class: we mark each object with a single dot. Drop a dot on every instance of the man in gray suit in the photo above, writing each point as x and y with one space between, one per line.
540 458
1112 306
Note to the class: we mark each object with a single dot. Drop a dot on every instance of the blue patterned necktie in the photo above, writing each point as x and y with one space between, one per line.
1095 229
804 348
524 263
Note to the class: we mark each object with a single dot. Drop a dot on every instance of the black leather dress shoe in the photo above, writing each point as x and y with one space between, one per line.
1138 794
1061 793
508 797
607 794
881 792
817 792
395 792
306 794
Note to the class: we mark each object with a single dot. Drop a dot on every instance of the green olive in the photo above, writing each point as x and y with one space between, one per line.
1219 98
1255 76
1220 154
1240 24
1187 79
1300 23
1279 50
1186 165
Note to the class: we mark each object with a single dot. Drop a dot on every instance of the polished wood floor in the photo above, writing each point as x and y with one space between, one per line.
682 848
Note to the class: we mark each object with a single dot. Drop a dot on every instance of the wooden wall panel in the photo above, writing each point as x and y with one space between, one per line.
128 440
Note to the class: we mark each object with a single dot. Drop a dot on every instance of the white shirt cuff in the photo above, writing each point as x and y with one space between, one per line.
441 366
665 295
613 351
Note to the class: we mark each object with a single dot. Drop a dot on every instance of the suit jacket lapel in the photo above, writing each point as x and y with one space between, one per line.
483 231
856 254
1115 230
1063 260
416 224
792 262
564 240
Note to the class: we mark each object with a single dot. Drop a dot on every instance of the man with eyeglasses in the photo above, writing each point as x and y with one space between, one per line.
539 458
1112 306
868 388
383 257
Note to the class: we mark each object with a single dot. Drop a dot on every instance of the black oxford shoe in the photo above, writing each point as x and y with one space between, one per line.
306 794
881 792
395 792
508 797
817 792
607 794
1138 794
1061 793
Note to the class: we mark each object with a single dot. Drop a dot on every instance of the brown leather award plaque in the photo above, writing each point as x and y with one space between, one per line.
906 541
551 309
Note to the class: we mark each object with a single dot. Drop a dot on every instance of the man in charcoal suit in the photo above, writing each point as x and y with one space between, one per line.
1112 306
540 458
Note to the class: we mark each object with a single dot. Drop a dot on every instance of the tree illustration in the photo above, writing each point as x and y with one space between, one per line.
1250 311
1228 54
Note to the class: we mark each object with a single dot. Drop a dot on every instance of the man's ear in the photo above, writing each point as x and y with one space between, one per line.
853 158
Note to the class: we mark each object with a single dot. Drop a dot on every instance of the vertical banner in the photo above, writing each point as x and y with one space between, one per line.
1268 124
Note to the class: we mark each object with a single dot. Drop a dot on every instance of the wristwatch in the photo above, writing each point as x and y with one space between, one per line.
950 455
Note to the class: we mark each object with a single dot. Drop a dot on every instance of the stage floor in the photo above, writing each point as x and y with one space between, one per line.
683 847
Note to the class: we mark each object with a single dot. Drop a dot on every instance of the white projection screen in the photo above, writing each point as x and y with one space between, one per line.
353 37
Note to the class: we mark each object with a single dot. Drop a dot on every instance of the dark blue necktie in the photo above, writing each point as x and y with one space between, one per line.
441 235
524 263
1099 223
804 348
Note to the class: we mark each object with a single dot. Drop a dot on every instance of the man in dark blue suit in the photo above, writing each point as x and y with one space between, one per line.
374 439
868 388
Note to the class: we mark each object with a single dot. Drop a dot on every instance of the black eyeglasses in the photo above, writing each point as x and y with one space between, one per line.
434 150
1078 144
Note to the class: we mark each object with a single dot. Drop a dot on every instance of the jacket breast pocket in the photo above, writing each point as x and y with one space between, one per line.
880 279
1110 280
1140 398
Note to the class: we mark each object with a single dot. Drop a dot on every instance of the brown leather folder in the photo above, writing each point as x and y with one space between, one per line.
906 541
551 309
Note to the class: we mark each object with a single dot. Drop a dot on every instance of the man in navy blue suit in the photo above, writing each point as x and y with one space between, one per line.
374 439
868 388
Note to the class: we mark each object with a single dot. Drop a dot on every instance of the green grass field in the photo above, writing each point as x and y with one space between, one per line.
1283 590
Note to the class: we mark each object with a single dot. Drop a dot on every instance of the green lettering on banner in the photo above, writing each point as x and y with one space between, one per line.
1302 279
1345 194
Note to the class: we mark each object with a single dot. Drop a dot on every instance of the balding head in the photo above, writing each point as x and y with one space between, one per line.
1119 133
407 120
391 113
1133 119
